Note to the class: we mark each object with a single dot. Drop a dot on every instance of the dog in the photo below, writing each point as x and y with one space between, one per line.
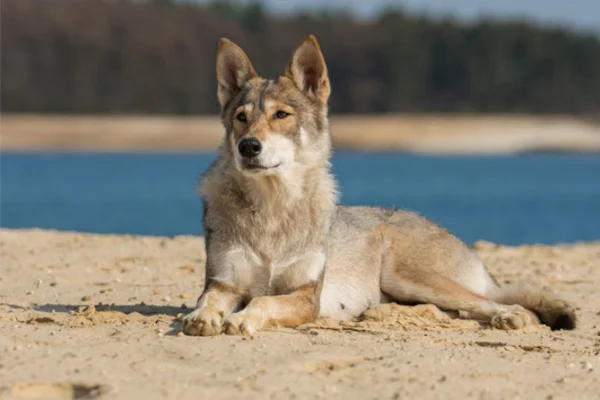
281 252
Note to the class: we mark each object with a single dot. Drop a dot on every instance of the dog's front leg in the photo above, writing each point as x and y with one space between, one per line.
289 310
218 301
301 284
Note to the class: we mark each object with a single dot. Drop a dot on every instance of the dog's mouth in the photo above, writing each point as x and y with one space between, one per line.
258 167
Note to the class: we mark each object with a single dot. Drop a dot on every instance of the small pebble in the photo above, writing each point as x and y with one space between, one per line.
86 298
167 298
185 296
180 333
589 367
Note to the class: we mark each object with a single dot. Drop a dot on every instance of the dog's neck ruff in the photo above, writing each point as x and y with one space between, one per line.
279 192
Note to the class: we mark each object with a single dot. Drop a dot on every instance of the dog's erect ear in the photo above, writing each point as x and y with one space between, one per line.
233 70
308 70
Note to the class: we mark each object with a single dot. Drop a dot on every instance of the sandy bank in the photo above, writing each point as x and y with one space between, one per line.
414 133
99 314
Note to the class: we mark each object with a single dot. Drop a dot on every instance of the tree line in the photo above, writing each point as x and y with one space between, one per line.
127 56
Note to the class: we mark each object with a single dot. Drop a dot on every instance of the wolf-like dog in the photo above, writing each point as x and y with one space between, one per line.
280 252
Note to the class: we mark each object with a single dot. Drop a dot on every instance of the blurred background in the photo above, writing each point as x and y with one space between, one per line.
483 116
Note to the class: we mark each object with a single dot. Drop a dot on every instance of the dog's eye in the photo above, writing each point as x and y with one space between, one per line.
241 117
280 115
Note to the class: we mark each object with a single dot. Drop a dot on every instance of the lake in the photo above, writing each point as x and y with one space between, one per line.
533 198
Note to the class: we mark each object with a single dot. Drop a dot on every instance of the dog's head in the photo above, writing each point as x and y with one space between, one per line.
274 126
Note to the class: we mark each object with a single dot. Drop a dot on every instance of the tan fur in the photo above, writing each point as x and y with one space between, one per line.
296 308
280 252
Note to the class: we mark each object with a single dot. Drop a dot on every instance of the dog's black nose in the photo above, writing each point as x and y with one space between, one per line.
249 148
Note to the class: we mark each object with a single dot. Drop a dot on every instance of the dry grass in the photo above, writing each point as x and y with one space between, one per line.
415 133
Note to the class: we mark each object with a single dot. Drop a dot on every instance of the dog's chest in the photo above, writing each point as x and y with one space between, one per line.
259 274
259 249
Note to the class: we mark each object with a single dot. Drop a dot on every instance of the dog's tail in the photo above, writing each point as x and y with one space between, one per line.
550 309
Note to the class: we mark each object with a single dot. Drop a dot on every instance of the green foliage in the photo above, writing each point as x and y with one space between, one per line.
98 56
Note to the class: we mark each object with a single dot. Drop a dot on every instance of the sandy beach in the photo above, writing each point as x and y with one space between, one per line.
431 134
97 316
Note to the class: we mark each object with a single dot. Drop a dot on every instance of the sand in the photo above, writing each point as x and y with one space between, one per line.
94 316
432 134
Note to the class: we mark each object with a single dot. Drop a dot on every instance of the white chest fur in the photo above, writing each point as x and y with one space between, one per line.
241 267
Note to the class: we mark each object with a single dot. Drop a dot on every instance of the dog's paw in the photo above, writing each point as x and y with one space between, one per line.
512 320
203 322
241 324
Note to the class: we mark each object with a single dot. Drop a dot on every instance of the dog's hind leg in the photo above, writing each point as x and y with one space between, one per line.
412 286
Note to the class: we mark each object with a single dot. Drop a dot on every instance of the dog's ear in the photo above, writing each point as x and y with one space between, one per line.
234 69
308 70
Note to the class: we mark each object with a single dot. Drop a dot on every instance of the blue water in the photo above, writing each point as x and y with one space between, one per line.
512 200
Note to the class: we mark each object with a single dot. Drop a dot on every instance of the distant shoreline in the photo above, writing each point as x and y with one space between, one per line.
426 134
